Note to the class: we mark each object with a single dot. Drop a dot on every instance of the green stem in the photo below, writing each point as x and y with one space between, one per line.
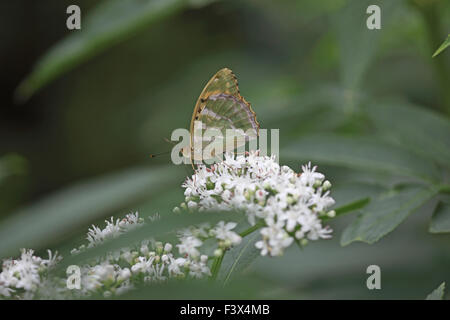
350 207
251 229
430 11
217 263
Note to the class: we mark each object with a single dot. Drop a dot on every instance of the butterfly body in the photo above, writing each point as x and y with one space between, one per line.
220 106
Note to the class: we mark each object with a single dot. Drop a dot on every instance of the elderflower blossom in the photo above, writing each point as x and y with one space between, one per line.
290 205
150 261
119 271
223 232
113 229
285 206
25 273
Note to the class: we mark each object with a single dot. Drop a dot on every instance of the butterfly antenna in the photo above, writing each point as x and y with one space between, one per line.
154 155
161 153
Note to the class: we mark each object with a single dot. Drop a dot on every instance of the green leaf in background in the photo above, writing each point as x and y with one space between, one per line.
108 24
353 196
242 288
12 164
383 215
421 130
440 221
357 44
438 293
443 46
239 258
54 216
361 153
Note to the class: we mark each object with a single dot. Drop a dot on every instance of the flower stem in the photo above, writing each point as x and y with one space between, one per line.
217 263
251 229
216 266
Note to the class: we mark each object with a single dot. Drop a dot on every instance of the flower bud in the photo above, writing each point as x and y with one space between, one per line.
218 252
168 248
159 247
144 250
326 185
124 274
192 205
317 184
331 214
227 243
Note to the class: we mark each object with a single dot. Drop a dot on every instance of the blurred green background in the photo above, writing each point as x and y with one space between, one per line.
81 111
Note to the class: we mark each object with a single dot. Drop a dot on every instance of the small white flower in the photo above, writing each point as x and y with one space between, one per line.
5 290
199 269
222 231
168 247
113 229
144 250
175 266
309 175
189 246
260 194
275 239
192 205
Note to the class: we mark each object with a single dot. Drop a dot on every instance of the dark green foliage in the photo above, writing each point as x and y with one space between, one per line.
367 106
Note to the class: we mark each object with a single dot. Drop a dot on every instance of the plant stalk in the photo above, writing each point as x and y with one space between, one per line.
217 263
433 24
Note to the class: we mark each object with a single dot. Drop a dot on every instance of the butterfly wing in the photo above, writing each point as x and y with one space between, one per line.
224 81
220 106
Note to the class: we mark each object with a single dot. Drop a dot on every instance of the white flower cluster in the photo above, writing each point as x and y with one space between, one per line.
120 270
96 235
24 274
289 205
283 205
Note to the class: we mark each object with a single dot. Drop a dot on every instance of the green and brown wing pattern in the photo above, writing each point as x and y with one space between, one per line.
221 106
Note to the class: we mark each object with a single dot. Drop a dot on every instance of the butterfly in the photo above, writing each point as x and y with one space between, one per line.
220 107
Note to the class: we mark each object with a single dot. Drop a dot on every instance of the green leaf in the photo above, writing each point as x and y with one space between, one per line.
239 258
357 44
193 289
416 128
443 46
386 213
108 24
12 164
353 196
54 216
440 221
438 293
361 153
